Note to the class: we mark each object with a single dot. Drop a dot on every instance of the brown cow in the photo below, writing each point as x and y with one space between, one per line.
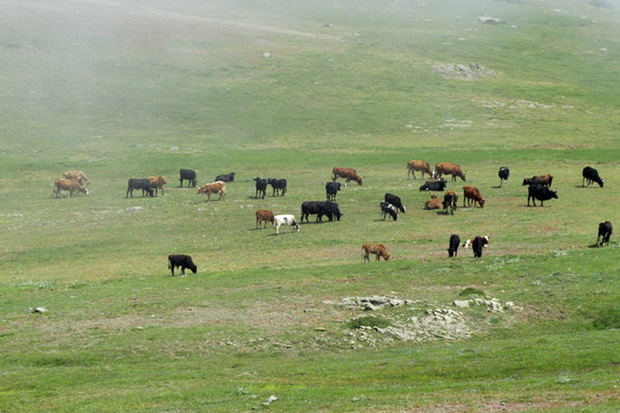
449 201
218 187
420 166
80 176
349 174
544 180
432 203
449 169
263 216
378 249
157 183
472 195
71 185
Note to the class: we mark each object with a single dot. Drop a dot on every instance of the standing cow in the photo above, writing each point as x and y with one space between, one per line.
138 183
604 233
378 249
349 174
331 189
449 201
591 175
420 166
218 187
70 185
188 175
285 219
453 169
540 192
503 174
453 247
183 261
478 244
261 187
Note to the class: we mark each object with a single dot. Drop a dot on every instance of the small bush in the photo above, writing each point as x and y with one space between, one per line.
472 291
608 319
369 321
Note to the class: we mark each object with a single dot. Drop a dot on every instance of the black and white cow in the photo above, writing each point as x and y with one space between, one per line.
395 201
187 175
503 174
183 261
436 185
541 193
388 209
331 189
143 184
591 175
453 247
285 219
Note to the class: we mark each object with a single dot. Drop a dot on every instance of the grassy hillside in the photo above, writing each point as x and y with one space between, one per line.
289 90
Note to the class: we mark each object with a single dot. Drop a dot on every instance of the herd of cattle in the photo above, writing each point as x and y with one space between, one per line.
538 189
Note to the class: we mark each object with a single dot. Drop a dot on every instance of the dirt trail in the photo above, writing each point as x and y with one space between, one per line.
147 10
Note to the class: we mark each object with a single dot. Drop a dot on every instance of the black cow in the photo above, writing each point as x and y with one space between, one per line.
540 192
604 233
395 201
261 187
278 185
331 189
478 244
143 184
320 208
436 185
189 175
225 177
183 261
591 175
388 209
503 174
453 247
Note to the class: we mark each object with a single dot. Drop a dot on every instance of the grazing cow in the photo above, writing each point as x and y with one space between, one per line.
545 180
604 233
80 176
453 247
261 187
478 244
540 192
395 200
388 209
349 174
187 175
449 169
183 261
434 185
378 249
286 219
157 183
449 201
433 203
503 174
591 175
225 177
472 195
320 208
218 187
420 166
143 184
70 185
278 185
331 189
263 216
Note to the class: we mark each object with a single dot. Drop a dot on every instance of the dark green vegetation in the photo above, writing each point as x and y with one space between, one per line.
130 89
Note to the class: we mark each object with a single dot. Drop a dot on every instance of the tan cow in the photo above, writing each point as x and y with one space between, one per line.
378 249
71 185
472 195
80 176
263 216
218 187
420 166
349 174
449 169
157 183
432 203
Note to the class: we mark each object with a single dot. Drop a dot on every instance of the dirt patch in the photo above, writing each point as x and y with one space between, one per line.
474 71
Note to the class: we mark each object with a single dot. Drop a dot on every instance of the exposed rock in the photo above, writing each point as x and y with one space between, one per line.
473 71
373 303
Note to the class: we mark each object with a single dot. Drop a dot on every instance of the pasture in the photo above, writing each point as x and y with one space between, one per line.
274 89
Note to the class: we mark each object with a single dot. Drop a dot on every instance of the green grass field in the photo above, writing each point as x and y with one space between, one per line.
289 90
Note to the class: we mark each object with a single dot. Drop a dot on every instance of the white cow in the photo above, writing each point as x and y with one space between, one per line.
285 219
